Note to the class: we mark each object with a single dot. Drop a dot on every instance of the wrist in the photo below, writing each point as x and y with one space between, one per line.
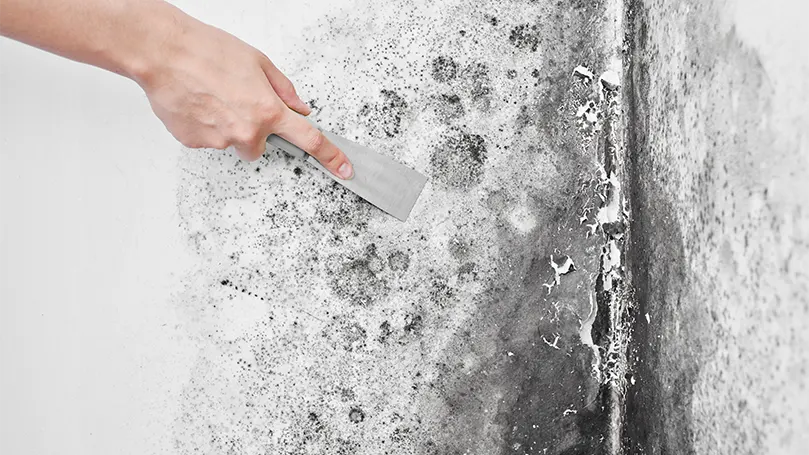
153 40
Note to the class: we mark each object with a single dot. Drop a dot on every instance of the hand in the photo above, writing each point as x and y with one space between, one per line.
211 89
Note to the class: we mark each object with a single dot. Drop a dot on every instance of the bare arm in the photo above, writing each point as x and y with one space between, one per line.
209 88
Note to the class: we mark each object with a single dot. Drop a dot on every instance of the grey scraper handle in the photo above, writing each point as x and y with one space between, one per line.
380 180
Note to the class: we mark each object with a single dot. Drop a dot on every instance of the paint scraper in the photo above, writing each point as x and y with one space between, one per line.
380 180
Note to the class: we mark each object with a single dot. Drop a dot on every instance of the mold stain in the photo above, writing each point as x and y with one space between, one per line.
458 161
444 69
378 336
385 118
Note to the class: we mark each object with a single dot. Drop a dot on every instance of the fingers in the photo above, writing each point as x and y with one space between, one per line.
300 132
284 88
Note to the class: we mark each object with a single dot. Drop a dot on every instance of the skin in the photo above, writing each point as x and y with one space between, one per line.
209 88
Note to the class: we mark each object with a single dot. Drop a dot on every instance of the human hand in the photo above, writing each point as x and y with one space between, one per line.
211 89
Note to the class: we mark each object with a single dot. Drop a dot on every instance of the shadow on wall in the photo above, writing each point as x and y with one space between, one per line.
716 231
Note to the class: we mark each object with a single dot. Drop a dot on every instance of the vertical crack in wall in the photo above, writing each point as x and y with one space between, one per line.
607 329
613 292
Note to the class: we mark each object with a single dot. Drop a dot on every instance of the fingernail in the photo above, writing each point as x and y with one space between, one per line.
345 171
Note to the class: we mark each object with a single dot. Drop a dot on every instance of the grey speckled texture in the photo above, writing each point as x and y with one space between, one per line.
326 326
720 154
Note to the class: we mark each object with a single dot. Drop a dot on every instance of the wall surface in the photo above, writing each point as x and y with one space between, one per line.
158 300
719 156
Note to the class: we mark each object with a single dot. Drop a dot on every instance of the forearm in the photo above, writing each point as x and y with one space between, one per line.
208 87
123 36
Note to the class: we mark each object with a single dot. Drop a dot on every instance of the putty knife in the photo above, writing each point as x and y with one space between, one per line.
385 183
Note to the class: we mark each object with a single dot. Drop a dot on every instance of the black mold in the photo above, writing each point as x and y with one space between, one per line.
384 332
356 415
449 107
385 118
413 323
458 161
525 36
444 69
468 272
398 261
358 281
477 75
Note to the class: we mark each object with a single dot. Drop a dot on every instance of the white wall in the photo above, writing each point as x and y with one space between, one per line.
91 357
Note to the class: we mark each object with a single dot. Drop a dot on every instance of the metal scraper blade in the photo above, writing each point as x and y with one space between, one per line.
380 180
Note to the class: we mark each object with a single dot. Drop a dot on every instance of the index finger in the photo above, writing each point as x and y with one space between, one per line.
297 130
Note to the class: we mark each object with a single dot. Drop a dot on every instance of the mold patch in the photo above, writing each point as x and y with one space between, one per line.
525 36
444 69
458 161
384 118
358 282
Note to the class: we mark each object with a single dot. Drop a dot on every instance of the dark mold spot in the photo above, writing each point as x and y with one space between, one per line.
349 335
384 332
478 76
358 281
528 115
398 261
449 107
440 292
356 415
385 117
444 69
413 323
459 247
458 161
297 171
525 36
317 425
511 74
468 272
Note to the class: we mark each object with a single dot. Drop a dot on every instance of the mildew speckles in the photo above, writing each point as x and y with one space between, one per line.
356 415
399 261
444 69
384 118
384 332
467 272
477 77
413 324
346 334
458 160
441 293
449 107
358 282
525 36
408 322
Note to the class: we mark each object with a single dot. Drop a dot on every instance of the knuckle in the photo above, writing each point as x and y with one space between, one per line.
245 134
218 142
271 114
315 142
333 159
